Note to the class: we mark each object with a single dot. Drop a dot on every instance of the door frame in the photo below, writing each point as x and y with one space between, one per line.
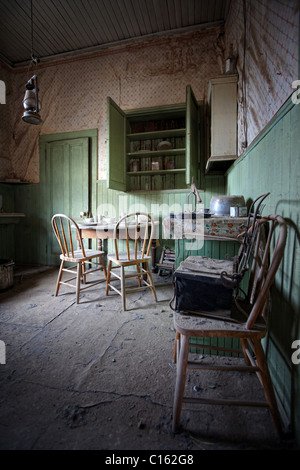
92 135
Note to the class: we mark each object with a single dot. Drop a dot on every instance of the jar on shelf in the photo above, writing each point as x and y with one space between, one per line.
134 165
156 163
169 163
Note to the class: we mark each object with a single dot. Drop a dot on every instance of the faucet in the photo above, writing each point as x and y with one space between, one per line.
194 191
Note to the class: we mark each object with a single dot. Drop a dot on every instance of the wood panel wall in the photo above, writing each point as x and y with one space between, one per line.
26 242
273 164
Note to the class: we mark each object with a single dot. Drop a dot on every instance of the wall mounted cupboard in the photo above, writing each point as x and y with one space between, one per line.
153 148
222 108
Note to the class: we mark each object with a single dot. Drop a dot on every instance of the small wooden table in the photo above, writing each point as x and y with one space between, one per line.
102 232
97 231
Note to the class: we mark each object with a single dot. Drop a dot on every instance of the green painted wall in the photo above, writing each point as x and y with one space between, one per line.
159 202
273 164
7 232
21 241
26 243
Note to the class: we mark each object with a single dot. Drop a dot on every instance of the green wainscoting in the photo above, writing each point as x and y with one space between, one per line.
21 241
28 242
272 163
7 232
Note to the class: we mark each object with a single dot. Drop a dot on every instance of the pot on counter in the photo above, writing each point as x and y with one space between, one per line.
220 205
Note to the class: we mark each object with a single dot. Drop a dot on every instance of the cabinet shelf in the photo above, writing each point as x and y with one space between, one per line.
133 144
156 153
157 134
155 172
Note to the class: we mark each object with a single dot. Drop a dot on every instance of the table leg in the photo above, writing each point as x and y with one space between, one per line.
153 256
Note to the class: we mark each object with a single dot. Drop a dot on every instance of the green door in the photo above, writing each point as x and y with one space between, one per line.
116 148
66 175
192 137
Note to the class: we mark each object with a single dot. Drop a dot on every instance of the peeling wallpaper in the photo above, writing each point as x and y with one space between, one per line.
265 36
5 131
73 91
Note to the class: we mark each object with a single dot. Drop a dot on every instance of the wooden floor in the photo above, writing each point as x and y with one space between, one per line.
91 376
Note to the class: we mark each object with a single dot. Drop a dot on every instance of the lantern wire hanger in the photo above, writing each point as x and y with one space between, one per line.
31 102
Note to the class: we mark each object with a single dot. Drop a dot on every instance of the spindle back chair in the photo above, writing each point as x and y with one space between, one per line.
68 235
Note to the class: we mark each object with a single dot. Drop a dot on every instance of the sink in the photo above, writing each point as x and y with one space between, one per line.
10 217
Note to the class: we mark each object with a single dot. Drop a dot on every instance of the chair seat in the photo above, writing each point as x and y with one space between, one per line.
123 258
68 235
243 321
208 324
79 257
137 241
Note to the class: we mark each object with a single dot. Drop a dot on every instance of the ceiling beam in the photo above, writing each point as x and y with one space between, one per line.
121 42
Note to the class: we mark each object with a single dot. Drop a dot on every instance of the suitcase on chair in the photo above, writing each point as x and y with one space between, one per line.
199 287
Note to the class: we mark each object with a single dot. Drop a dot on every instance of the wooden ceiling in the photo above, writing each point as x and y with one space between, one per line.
67 27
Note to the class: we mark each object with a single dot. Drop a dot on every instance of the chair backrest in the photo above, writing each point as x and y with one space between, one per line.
249 236
62 226
267 255
135 226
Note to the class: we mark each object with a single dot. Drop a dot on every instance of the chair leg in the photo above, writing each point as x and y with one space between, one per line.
78 282
138 268
123 290
180 380
108 276
60 272
244 347
267 384
151 281
83 273
103 266
177 339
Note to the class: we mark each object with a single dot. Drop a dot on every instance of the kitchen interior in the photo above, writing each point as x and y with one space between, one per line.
187 111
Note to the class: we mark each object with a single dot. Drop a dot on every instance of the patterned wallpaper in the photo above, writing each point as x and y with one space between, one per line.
265 36
155 72
73 92
5 162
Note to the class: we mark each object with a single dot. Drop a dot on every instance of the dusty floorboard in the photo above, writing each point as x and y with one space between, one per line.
91 376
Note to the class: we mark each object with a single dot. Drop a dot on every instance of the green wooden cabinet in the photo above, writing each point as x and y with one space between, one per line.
153 148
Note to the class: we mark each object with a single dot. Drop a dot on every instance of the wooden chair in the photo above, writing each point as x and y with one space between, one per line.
82 257
248 322
131 228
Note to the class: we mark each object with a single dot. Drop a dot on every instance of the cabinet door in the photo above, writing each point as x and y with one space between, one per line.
116 161
223 97
192 137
